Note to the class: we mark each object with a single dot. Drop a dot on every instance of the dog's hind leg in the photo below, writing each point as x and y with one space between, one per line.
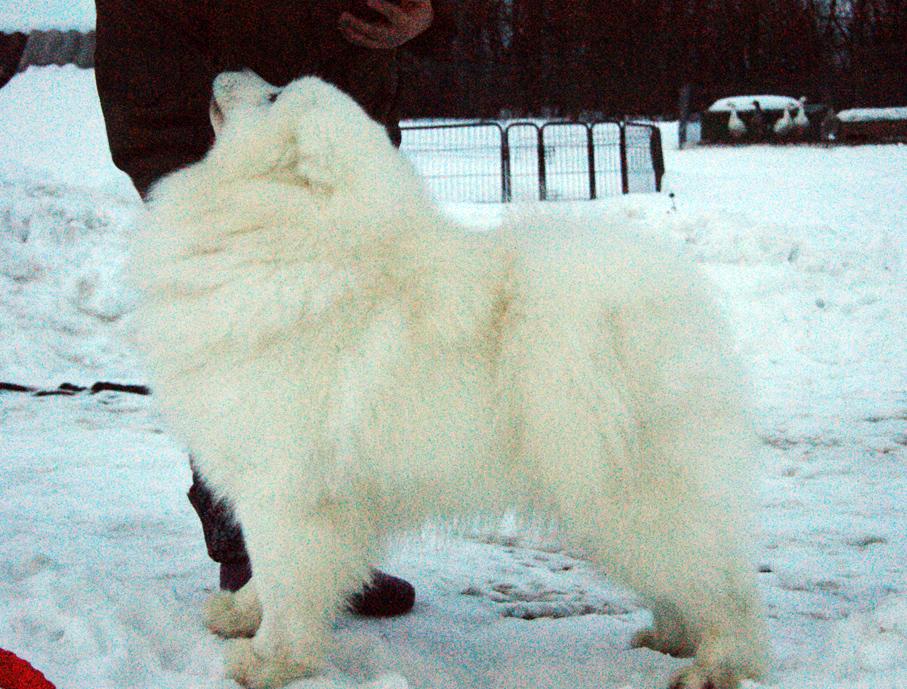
640 477
686 490
669 634
305 562
700 587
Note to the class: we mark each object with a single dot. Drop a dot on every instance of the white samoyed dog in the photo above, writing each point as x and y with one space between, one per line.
344 361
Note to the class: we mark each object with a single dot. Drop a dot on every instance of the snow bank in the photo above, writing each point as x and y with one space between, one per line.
47 14
872 114
61 295
53 128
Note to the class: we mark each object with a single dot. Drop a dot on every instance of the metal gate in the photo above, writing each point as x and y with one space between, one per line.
490 162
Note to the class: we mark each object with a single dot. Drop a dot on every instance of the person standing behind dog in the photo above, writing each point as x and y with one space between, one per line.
155 61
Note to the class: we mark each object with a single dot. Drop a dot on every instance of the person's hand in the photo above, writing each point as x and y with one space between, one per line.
404 21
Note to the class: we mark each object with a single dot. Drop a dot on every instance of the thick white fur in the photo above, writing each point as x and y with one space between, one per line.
345 361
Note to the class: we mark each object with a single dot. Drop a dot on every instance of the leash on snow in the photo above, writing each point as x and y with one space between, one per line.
69 390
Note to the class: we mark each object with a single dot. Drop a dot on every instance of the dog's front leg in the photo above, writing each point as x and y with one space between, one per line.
232 615
305 562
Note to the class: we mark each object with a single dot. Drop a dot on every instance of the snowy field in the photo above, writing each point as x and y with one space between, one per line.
102 565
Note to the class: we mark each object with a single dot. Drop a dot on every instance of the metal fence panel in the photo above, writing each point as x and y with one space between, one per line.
526 161
566 161
523 146
606 141
640 175
459 162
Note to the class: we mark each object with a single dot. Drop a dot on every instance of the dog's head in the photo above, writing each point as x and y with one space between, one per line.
309 132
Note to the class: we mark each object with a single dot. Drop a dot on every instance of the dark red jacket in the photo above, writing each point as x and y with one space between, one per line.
155 61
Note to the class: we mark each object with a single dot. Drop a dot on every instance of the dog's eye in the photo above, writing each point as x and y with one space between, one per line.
273 96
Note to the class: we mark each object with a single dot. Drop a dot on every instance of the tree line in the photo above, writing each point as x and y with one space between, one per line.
632 57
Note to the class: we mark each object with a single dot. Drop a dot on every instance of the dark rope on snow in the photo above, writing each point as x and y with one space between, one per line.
69 390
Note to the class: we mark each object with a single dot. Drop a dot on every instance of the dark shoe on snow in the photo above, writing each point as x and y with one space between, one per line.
384 596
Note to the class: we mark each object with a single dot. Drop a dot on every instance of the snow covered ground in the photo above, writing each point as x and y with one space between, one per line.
47 14
102 565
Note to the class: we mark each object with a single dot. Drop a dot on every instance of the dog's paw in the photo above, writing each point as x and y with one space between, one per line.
676 645
700 677
233 615
255 671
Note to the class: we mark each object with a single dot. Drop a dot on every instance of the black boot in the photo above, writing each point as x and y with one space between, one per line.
384 596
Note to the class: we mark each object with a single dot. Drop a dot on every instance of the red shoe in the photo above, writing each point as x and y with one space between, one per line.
16 673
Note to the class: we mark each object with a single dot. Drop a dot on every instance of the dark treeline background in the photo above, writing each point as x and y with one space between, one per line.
631 57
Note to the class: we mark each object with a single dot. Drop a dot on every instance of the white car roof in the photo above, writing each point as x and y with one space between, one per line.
744 103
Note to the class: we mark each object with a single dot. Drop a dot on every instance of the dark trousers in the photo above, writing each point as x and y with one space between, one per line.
223 534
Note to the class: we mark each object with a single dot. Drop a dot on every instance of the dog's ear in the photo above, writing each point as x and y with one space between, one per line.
317 154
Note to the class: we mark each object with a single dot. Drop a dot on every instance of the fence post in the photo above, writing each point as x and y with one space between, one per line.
590 152
624 172
543 182
506 186
658 160
683 108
